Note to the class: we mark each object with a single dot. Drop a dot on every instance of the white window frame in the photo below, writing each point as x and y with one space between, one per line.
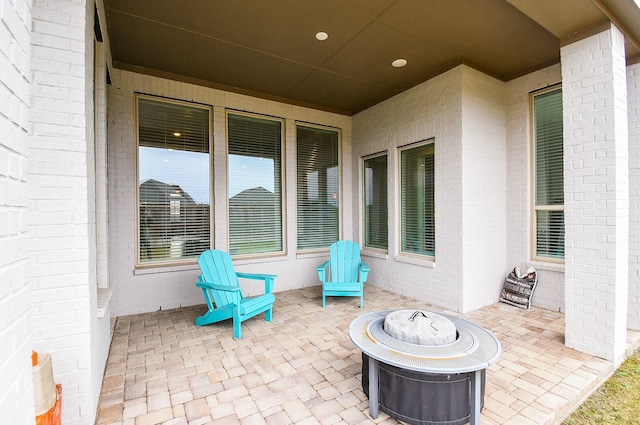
282 188
338 184
172 216
535 208
366 195
420 205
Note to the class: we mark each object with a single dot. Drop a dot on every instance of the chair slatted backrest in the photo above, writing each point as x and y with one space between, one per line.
217 268
344 257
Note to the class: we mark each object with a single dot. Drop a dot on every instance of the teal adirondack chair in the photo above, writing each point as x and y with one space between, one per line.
344 274
222 292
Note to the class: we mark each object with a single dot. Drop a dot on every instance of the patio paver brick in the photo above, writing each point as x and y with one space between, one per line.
302 368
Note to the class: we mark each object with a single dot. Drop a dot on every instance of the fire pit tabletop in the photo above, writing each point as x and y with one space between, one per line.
475 347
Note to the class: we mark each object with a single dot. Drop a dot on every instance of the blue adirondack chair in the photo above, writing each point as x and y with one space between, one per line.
344 274
222 292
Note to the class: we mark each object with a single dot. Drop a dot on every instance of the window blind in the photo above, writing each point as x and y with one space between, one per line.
173 180
317 187
417 200
255 184
376 226
549 175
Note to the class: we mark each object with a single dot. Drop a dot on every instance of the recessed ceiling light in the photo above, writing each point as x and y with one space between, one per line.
177 134
399 63
322 36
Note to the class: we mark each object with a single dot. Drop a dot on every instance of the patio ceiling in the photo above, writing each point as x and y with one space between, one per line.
268 49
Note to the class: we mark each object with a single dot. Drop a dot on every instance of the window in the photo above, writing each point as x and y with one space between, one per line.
376 227
417 200
318 184
255 184
548 180
173 180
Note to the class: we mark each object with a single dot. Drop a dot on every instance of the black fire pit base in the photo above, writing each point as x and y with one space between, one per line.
421 398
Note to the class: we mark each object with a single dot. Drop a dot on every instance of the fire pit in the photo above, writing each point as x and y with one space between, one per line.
424 368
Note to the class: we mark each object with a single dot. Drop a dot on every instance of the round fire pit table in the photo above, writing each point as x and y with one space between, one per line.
465 359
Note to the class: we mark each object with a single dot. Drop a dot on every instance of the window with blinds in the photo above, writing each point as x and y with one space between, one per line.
417 200
173 180
376 226
255 184
548 185
318 187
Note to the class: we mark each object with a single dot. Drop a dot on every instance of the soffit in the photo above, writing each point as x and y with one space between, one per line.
268 49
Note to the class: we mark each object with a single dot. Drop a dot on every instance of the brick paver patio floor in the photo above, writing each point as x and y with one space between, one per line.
302 368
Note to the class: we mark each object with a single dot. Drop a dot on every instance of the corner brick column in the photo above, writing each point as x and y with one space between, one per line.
62 206
596 177
633 87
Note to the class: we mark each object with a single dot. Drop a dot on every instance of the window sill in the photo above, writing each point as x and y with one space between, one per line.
383 255
424 262
266 258
104 296
552 267
165 269
312 254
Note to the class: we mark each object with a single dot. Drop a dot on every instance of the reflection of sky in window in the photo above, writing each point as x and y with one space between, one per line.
332 186
189 170
368 186
247 172
312 185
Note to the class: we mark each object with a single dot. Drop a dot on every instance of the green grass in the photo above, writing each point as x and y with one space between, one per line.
616 402
254 247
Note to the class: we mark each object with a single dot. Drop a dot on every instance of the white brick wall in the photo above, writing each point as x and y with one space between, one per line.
633 105
62 228
549 292
164 288
429 110
484 191
596 194
102 204
464 111
16 388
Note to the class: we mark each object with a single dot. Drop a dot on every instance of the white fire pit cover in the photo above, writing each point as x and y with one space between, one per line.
420 327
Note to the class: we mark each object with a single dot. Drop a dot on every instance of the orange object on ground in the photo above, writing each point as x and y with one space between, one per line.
53 416
34 358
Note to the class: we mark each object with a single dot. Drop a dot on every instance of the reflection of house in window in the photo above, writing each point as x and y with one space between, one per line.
172 224
254 220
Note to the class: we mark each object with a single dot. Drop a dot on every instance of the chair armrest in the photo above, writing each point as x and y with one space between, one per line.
215 287
322 271
256 276
364 272
268 279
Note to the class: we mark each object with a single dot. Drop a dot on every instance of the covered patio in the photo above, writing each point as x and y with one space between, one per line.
302 368
411 127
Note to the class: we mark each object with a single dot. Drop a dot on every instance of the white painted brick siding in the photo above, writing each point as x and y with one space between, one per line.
484 181
102 203
633 105
164 288
596 194
16 393
549 292
429 110
62 212
463 110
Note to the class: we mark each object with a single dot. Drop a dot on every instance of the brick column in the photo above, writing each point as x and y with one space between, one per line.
62 206
596 194
633 87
